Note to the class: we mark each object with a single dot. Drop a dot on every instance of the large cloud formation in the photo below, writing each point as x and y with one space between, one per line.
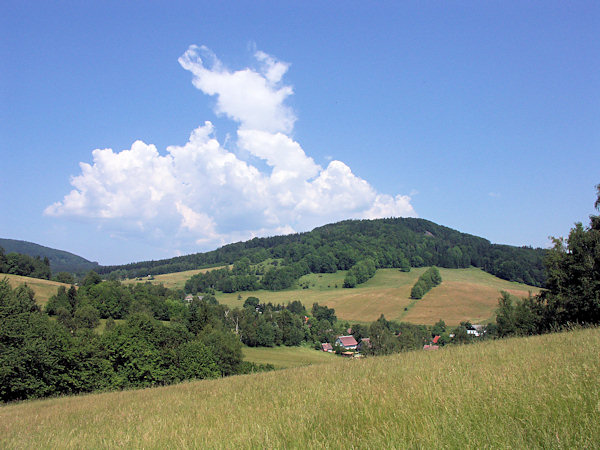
201 195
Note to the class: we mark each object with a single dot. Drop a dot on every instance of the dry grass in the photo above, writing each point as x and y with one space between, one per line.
44 289
465 294
539 392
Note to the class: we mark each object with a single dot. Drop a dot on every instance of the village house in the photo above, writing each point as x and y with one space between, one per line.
327 347
475 330
433 345
347 342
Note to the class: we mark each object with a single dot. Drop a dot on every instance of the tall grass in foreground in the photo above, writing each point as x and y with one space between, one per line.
537 392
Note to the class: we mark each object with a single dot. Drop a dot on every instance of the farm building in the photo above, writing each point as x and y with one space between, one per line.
475 330
347 342
326 347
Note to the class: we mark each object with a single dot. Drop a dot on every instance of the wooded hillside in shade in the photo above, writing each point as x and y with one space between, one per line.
60 261
388 242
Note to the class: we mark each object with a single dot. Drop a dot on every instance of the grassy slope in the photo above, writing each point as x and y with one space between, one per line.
465 294
538 392
44 289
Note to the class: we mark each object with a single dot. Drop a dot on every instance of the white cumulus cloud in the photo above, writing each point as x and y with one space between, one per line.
202 194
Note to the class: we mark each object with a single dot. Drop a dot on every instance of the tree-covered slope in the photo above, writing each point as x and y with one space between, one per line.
60 261
388 242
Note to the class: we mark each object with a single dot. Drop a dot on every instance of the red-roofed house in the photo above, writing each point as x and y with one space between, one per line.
326 347
435 339
431 347
348 342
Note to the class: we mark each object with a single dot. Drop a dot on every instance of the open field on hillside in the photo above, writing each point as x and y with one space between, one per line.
536 392
175 280
284 357
465 294
44 289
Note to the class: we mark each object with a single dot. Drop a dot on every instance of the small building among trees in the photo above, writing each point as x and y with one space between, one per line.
347 342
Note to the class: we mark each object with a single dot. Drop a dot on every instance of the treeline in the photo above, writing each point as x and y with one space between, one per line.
427 281
245 277
268 325
360 272
24 265
41 357
390 243
572 295
112 299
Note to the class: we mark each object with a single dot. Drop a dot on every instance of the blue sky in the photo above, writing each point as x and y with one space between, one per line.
481 116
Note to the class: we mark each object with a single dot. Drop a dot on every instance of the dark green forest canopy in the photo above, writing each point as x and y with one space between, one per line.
341 245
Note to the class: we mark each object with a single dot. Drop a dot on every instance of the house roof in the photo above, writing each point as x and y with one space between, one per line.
435 339
347 341
326 346
430 347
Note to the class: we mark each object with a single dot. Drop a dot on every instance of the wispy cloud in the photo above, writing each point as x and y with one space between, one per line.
202 194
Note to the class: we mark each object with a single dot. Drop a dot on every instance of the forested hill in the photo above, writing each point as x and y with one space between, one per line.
387 242
60 261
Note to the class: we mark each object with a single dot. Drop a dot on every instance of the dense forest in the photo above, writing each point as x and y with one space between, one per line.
400 243
28 266
61 351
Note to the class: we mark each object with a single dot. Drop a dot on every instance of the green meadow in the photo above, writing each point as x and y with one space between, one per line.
534 392
286 357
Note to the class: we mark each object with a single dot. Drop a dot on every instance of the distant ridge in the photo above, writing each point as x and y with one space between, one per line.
60 260
386 241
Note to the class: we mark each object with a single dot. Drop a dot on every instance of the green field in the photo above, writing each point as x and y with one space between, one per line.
465 294
536 392
44 289
285 357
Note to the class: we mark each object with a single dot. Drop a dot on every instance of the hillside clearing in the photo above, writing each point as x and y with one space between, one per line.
175 280
536 392
44 289
465 294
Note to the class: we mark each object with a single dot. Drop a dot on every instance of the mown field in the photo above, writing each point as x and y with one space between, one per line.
465 294
536 392
44 289
286 357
